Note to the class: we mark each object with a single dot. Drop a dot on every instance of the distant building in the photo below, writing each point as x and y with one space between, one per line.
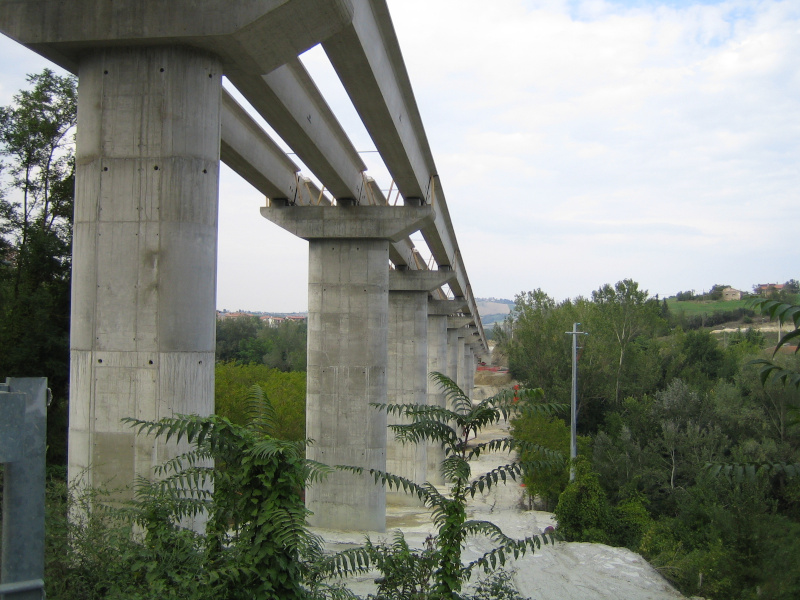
765 289
730 293
272 321
233 315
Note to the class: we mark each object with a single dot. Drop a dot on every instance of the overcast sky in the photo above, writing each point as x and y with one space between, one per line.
578 143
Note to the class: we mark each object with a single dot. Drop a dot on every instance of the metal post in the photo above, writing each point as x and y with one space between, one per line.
22 567
573 437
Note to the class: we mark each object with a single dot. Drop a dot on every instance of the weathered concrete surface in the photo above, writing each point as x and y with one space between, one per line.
144 266
407 378
254 35
437 362
347 370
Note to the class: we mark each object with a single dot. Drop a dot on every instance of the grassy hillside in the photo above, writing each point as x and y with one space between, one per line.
692 307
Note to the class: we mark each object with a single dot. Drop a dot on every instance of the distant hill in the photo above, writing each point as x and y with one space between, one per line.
493 310
493 306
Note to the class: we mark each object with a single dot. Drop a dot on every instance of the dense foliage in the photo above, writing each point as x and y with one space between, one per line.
255 543
248 340
659 404
37 179
232 387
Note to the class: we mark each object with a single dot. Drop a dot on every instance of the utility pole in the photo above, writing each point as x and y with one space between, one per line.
573 441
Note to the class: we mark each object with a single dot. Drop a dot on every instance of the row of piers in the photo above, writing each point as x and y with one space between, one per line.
154 121
374 334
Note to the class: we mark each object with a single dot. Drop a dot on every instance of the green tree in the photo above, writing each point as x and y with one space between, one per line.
623 313
550 432
536 346
248 340
37 145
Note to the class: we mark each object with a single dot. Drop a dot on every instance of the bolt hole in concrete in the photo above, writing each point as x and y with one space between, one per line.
205 171
105 72
105 168
155 168
99 360
150 362
161 69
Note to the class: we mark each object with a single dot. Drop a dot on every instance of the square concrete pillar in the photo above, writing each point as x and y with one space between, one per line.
348 305
437 361
144 254
454 342
407 384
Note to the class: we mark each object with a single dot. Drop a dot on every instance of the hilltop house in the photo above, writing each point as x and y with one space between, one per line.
765 289
730 293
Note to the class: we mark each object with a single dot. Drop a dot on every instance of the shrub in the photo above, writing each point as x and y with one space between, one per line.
255 544
233 385
583 511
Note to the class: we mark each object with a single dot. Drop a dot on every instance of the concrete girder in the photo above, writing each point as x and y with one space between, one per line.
292 104
246 146
446 307
458 322
418 281
368 60
349 222
253 155
254 35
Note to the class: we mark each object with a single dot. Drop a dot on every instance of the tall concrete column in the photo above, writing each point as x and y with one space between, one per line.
348 288
452 353
461 349
438 314
469 370
437 362
144 253
408 345
348 311
408 368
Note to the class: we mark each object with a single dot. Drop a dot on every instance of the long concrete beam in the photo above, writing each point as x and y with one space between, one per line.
250 152
290 102
366 55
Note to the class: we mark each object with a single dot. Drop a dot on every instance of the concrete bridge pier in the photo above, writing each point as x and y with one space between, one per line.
456 336
469 361
348 322
408 368
144 253
438 311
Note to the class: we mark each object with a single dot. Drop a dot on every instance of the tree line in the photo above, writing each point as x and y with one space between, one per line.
658 404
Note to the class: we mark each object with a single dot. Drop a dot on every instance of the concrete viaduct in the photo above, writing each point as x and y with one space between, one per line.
153 123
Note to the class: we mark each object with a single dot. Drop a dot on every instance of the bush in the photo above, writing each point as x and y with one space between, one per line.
631 521
255 543
583 511
286 391
550 432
